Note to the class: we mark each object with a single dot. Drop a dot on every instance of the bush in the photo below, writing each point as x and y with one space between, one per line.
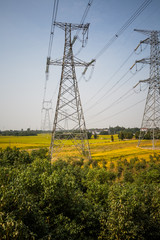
13 156
71 200
89 134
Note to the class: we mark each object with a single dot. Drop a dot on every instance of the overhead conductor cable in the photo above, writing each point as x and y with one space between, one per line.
143 6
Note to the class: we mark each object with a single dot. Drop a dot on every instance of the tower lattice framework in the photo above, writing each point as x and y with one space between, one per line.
69 122
151 118
46 115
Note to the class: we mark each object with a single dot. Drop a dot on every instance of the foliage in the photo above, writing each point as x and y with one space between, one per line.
118 129
89 134
125 135
28 132
148 135
76 200
137 135
112 138
95 135
103 132
121 135
128 135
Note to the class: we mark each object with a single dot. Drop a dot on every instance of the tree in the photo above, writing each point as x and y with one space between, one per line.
89 134
128 135
64 200
103 132
148 135
95 135
137 134
121 135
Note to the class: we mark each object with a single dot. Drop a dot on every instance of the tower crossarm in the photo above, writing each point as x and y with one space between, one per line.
73 26
156 61
146 32
146 41
142 81
77 62
143 60
47 104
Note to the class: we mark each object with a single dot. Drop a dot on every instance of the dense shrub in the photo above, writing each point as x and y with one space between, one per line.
71 200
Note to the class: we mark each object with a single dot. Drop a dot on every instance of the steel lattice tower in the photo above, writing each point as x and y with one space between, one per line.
69 120
46 118
151 117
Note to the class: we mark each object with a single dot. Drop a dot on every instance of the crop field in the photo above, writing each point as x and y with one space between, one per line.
25 142
102 149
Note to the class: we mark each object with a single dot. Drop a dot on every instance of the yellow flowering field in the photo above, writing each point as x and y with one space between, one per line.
101 148
25 142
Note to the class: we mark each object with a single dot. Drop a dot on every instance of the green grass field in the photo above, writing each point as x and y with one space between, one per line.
101 148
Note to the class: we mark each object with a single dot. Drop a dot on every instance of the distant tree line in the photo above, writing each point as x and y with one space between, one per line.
129 135
114 130
117 129
21 132
124 133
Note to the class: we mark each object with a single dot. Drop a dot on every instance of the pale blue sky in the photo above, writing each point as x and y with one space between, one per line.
25 30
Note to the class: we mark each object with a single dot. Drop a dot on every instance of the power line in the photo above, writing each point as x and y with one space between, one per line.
106 108
54 16
119 100
110 93
127 108
126 60
120 31
121 111
120 85
124 27
82 22
85 14
99 100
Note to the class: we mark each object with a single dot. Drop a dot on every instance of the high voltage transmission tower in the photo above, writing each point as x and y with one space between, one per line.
151 117
46 112
46 118
69 120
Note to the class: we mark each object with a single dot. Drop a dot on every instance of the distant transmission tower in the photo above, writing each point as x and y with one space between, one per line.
46 109
151 118
69 120
46 115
